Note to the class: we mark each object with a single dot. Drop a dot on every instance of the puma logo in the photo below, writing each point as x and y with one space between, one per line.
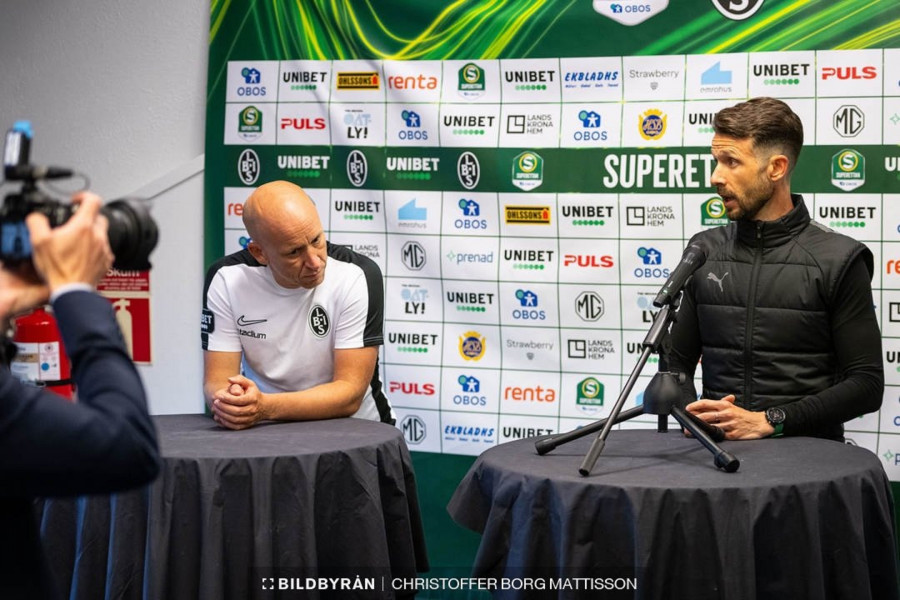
713 277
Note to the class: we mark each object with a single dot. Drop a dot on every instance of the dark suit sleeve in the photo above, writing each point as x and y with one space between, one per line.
103 443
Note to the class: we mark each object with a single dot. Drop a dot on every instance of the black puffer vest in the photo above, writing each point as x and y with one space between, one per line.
764 299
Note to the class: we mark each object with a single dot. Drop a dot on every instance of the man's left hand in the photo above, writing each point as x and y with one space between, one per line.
238 406
736 422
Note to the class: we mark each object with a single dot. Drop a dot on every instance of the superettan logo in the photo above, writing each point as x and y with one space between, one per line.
527 215
358 81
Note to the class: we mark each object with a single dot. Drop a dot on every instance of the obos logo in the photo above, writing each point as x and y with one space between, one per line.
712 213
252 79
250 122
413 256
591 131
650 257
471 211
848 170
472 345
471 81
589 395
528 171
413 429
357 168
468 170
470 387
652 124
629 12
248 167
528 307
413 123
738 10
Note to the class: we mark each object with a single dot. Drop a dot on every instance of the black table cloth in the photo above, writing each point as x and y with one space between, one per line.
234 514
802 518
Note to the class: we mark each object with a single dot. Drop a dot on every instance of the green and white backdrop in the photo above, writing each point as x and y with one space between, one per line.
526 175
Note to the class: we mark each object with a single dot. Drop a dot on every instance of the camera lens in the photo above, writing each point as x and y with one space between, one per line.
132 233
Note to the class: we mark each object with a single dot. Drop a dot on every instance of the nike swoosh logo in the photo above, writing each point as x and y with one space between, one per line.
244 323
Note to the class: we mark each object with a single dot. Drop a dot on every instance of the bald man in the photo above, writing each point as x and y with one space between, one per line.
292 324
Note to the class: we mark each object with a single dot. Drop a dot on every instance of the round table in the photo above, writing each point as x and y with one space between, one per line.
801 518
234 514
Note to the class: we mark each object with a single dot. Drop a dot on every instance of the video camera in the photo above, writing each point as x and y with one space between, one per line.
132 232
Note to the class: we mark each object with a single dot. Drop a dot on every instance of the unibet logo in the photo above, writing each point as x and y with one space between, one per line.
528 171
471 81
848 170
712 213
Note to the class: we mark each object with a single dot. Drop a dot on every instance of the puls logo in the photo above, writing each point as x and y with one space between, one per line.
652 124
471 213
468 170
528 171
738 10
651 258
471 81
250 121
413 123
469 394
472 346
629 12
848 170
357 168
248 167
411 388
528 307
252 79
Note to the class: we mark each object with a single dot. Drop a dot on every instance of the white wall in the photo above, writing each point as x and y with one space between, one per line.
117 90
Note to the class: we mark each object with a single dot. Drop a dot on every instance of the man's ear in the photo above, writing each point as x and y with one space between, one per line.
778 167
257 252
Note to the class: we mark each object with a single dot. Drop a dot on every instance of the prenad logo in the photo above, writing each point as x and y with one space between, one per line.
248 167
472 345
738 10
357 168
468 170
318 321
413 256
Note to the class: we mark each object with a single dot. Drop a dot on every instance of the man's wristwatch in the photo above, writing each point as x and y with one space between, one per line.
775 416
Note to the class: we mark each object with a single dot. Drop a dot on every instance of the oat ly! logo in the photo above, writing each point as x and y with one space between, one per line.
738 10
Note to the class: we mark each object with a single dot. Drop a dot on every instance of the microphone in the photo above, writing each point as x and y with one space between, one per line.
693 258
16 156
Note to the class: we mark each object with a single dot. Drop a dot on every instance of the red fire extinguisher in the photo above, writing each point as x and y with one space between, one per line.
41 359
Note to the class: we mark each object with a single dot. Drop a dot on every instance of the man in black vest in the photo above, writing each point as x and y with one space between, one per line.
782 311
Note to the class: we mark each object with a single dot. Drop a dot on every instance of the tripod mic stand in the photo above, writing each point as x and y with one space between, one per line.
662 398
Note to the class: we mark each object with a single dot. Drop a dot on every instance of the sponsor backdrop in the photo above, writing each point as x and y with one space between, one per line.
526 175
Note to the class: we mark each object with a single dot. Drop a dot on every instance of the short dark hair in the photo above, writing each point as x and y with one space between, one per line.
768 122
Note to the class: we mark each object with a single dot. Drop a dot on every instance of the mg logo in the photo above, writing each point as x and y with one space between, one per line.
589 306
413 429
468 170
248 167
849 121
357 168
413 256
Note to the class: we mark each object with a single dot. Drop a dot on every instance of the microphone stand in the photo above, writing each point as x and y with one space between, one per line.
662 398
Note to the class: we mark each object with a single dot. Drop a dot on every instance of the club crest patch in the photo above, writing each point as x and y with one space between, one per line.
319 322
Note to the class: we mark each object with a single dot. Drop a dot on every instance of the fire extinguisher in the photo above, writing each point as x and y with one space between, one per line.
41 358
